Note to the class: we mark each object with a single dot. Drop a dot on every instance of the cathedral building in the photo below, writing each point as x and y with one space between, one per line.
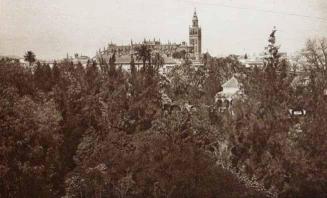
169 51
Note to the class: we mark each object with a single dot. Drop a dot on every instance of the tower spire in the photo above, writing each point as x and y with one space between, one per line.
195 20
195 36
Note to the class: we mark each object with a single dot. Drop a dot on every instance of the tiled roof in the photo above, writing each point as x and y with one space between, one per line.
231 83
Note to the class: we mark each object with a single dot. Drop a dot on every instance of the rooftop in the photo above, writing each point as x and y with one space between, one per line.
231 83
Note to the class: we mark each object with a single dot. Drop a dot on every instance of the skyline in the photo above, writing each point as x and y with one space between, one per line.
52 29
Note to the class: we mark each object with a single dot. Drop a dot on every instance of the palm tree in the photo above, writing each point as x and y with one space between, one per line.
158 61
143 53
30 57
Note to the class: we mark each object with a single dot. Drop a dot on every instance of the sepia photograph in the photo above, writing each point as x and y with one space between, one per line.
163 99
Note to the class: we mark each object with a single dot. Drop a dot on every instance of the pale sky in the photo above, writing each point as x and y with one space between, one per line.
51 28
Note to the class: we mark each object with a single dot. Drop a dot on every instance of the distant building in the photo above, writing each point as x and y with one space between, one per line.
48 62
251 61
167 50
231 90
257 61
195 37
125 60
78 59
23 62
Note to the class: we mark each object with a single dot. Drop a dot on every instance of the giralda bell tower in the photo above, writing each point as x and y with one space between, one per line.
195 36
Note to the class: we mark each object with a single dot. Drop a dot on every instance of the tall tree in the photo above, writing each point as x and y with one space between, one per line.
112 65
212 83
158 61
55 73
30 57
260 125
311 142
143 53
38 75
134 77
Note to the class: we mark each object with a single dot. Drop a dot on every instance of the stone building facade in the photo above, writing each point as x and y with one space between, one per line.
192 51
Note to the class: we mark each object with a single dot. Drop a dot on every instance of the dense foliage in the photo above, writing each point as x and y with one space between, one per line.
285 152
99 131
